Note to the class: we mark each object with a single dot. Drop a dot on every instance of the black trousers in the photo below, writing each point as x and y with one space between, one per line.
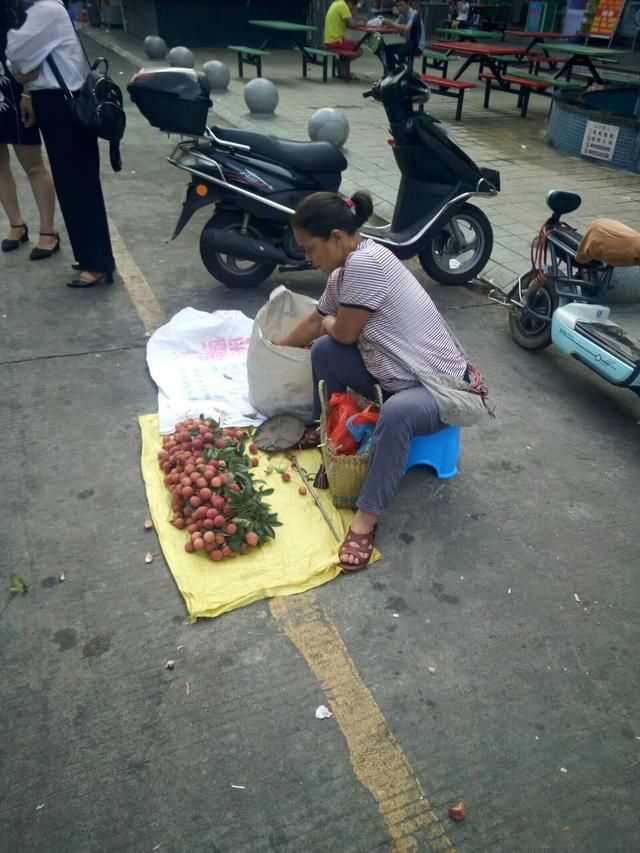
75 165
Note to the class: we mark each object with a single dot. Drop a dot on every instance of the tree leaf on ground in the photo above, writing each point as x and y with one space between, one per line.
17 584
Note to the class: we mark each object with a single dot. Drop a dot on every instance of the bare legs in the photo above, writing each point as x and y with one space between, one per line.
30 158
9 195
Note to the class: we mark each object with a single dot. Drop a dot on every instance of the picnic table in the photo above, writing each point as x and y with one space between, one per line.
537 38
581 55
491 55
383 30
470 34
296 33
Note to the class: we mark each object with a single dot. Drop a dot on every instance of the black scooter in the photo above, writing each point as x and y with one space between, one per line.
256 181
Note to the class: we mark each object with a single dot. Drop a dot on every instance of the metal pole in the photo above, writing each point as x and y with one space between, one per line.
315 497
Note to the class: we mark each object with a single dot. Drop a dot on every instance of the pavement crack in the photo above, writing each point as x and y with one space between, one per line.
53 356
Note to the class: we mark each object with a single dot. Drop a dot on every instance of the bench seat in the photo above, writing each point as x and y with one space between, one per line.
557 83
439 61
319 56
526 84
449 89
249 56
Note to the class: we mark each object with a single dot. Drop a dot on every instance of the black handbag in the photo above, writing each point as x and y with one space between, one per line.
97 107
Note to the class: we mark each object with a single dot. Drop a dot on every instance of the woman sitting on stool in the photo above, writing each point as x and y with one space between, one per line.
373 317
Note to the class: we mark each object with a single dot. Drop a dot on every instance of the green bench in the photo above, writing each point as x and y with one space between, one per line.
469 34
608 77
538 60
317 56
439 61
557 83
502 62
249 56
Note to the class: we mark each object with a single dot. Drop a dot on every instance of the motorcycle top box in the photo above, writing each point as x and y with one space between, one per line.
175 100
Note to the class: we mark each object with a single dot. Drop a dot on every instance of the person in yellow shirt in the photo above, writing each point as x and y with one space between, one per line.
340 15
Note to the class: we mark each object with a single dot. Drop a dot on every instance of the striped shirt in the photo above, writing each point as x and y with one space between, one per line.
403 319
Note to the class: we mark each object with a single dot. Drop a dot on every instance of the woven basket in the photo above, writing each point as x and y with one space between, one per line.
345 473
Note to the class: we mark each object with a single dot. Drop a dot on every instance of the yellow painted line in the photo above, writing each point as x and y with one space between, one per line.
137 286
376 756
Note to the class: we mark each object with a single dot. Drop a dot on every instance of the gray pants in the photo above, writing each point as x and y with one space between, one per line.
404 415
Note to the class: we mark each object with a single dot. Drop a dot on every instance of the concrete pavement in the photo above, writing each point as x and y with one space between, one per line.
489 657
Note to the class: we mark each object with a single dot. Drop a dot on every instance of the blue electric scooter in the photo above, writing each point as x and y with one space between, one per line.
559 301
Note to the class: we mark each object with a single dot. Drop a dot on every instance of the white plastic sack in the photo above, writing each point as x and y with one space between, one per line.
280 378
199 363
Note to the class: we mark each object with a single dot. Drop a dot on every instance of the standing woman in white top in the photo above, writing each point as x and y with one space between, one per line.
373 324
73 152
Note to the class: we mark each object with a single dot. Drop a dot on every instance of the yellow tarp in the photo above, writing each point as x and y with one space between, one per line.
303 555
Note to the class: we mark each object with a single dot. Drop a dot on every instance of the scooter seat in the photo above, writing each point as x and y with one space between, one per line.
570 238
305 156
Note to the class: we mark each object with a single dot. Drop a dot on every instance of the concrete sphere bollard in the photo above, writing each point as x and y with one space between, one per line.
217 75
181 57
261 96
155 47
329 124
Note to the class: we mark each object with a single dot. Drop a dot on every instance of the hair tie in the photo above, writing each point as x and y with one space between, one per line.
349 203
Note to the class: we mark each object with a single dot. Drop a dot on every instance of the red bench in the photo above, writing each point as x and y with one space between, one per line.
525 85
442 86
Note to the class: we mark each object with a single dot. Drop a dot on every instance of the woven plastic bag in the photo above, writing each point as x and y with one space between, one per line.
280 378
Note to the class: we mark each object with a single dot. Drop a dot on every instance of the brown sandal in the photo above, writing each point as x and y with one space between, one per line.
360 546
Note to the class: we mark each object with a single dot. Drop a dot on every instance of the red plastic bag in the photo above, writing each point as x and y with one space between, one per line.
341 407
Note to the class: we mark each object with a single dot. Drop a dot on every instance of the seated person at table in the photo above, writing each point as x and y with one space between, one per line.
413 32
463 14
339 17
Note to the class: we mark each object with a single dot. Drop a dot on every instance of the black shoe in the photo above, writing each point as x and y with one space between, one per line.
104 278
12 245
40 254
75 266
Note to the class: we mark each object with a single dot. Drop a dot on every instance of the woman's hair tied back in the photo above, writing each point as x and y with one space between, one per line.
321 213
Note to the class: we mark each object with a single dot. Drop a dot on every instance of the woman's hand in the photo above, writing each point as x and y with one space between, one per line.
26 111
304 333
29 77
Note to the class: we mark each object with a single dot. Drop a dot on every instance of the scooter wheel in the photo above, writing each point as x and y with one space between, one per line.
527 330
460 250
231 271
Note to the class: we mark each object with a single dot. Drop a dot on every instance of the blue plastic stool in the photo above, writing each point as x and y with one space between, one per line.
440 450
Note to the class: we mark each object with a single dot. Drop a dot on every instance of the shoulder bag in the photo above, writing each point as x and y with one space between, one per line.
98 105
460 403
